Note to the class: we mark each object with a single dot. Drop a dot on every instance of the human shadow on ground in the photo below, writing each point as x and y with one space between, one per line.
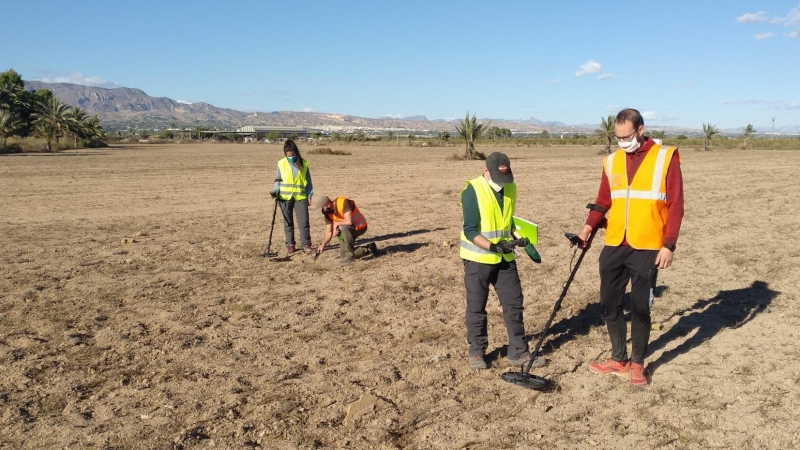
400 248
402 234
727 309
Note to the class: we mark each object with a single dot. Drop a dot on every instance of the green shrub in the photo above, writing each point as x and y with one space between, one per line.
327 151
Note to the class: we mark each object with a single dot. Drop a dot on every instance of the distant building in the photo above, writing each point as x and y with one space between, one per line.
284 132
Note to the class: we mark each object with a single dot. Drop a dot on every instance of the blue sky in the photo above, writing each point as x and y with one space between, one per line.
682 63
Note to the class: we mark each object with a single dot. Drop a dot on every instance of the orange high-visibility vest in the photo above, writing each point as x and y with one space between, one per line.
639 207
337 215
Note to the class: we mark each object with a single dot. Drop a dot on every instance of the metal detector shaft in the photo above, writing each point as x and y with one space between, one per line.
271 227
560 299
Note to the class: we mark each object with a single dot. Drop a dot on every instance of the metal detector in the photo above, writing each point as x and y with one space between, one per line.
267 252
525 378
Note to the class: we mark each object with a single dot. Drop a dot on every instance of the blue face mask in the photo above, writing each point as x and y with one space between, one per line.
292 158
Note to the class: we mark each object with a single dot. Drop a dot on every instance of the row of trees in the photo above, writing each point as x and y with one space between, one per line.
606 132
41 114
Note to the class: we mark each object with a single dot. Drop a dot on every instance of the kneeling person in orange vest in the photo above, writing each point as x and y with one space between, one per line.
343 219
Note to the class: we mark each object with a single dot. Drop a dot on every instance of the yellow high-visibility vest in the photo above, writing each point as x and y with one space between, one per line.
291 187
495 224
638 207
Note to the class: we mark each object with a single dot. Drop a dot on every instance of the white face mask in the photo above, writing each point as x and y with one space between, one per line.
629 146
494 185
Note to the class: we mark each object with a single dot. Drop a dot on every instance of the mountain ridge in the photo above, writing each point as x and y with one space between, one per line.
125 107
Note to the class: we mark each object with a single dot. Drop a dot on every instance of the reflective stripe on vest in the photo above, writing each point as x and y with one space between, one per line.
638 210
337 215
291 187
495 225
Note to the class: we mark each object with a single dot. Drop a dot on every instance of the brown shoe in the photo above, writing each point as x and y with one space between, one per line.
620 369
538 362
290 249
638 375
477 362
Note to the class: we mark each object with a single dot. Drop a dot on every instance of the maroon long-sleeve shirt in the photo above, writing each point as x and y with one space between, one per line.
674 192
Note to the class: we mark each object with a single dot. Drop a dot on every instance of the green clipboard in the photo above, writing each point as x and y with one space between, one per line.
530 230
527 229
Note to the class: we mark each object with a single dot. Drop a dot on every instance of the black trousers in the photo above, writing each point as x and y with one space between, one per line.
617 266
505 278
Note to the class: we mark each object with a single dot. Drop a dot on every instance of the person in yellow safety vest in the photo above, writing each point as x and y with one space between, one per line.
343 219
487 204
641 199
293 190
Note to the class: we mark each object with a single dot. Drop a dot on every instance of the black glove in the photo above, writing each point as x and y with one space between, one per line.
273 194
502 247
523 242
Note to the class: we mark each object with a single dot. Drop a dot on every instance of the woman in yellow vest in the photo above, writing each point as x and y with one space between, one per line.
487 205
293 190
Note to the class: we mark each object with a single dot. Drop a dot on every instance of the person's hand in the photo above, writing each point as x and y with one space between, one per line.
309 202
584 235
320 249
664 258
273 194
523 242
502 247
336 230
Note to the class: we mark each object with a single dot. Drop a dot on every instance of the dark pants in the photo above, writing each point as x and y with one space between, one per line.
288 209
617 266
347 248
504 277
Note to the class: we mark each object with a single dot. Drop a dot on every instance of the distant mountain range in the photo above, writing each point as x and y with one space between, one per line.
128 108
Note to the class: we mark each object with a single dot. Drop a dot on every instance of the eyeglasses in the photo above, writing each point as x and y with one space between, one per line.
626 138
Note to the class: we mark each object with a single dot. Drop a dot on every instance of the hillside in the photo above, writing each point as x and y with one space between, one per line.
128 107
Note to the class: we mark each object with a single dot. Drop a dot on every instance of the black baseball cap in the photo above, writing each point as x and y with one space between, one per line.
499 168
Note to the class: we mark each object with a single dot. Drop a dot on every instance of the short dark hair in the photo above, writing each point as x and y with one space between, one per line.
630 115
290 146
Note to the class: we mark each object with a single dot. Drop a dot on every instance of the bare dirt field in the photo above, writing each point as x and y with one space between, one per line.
136 310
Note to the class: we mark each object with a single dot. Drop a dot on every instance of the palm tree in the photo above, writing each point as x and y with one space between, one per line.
76 124
747 133
471 131
51 121
606 131
9 124
389 135
444 136
709 131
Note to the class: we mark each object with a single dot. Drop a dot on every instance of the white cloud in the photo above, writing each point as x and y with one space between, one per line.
185 102
760 16
77 78
605 76
768 104
649 115
556 81
762 36
792 20
395 116
591 66
307 109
